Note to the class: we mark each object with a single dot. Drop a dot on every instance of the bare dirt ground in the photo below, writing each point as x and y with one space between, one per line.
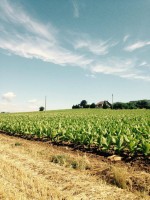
28 171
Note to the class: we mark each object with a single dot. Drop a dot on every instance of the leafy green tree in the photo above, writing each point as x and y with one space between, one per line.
105 106
87 106
83 103
119 105
75 106
132 105
93 105
41 108
143 104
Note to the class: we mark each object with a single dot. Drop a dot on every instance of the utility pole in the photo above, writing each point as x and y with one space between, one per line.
45 103
112 100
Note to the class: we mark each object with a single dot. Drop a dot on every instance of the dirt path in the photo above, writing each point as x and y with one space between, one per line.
27 173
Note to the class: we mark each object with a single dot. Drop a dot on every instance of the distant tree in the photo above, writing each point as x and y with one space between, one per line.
105 106
83 103
75 106
41 108
93 105
143 104
125 106
118 105
148 105
132 105
87 106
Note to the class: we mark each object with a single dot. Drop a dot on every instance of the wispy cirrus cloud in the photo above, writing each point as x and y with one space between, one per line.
97 47
144 63
22 35
75 8
136 76
125 68
16 16
114 66
38 48
137 45
126 37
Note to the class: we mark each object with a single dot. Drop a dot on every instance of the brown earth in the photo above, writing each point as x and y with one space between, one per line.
30 170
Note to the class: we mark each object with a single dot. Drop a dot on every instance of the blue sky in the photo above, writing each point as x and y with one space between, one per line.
71 50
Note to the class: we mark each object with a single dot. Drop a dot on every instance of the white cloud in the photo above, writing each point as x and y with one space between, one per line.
22 35
14 14
135 76
125 68
126 38
113 66
137 45
36 41
40 49
143 63
9 96
97 47
76 8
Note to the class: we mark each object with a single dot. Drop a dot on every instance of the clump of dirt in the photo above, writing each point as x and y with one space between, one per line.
141 183
139 163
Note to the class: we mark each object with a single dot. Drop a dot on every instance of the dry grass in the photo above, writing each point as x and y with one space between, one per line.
26 173
138 182
121 177
81 163
22 184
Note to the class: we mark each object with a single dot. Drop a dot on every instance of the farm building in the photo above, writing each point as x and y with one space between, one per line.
102 103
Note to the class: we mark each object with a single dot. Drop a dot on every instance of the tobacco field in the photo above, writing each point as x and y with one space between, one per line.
119 131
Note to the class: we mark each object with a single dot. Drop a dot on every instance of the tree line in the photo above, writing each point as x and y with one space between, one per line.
84 104
140 104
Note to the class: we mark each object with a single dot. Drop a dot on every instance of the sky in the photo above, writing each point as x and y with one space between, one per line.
73 50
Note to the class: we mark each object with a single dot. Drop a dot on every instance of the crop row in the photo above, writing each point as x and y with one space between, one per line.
117 131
